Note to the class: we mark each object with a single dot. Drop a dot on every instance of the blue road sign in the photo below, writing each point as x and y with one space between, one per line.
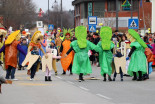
133 24
92 20
92 28
50 27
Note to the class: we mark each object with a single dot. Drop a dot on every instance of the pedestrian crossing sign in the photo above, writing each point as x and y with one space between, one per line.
133 24
50 27
92 28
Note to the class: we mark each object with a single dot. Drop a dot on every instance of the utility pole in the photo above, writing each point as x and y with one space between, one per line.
153 16
116 14
61 15
48 12
131 9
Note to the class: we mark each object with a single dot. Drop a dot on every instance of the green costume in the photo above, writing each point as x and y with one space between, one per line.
138 58
105 59
81 63
104 49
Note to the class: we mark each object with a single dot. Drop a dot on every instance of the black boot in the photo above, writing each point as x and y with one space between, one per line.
56 73
64 73
140 76
81 77
49 78
46 78
135 76
114 79
71 72
104 75
109 78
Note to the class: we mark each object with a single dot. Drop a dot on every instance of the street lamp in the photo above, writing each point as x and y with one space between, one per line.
60 12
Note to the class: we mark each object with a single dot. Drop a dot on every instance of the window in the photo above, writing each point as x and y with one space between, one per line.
99 8
77 9
111 5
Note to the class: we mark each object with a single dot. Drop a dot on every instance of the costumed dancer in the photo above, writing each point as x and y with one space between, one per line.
81 46
47 64
138 63
118 56
3 33
24 46
58 42
65 46
150 58
105 49
33 57
10 48
43 45
53 47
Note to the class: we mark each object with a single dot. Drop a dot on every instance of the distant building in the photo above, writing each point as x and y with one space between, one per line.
105 10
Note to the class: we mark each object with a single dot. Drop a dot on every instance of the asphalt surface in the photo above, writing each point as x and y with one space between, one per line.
65 89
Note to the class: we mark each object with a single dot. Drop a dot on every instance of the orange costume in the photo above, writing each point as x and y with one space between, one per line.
67 61
11 54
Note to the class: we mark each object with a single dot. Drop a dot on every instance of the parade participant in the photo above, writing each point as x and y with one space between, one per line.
119 55
53 46
43 45
2 79
81 46
3 33
21 56
58 42
33 54
47 64
138 63
10 48
65 46
105 47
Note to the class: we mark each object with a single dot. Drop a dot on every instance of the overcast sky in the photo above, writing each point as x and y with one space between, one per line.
67 4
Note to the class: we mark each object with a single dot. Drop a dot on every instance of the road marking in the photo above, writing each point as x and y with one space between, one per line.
103 96
71 103
58 77
34 84
84 88
70 82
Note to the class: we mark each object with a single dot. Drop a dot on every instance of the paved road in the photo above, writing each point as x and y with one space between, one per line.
67 90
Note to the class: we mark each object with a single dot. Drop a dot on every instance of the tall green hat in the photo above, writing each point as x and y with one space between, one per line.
69 31
136 36
81 34
105 35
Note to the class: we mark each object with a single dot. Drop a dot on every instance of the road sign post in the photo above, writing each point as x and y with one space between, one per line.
92 28
50 27
92 20
133 24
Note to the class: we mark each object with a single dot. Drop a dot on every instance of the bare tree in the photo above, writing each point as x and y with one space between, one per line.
55 17
18 13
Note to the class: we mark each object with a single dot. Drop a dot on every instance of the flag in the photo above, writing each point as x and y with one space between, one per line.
141 3
40 12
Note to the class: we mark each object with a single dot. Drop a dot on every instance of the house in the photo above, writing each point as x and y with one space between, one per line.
105 10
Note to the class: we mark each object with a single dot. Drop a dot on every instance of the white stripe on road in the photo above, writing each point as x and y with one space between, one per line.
84 88
58 77
70 82
71 103
103 96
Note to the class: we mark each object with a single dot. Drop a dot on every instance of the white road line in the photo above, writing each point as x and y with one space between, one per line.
58 77
103 96
70 82
84 88
71 103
